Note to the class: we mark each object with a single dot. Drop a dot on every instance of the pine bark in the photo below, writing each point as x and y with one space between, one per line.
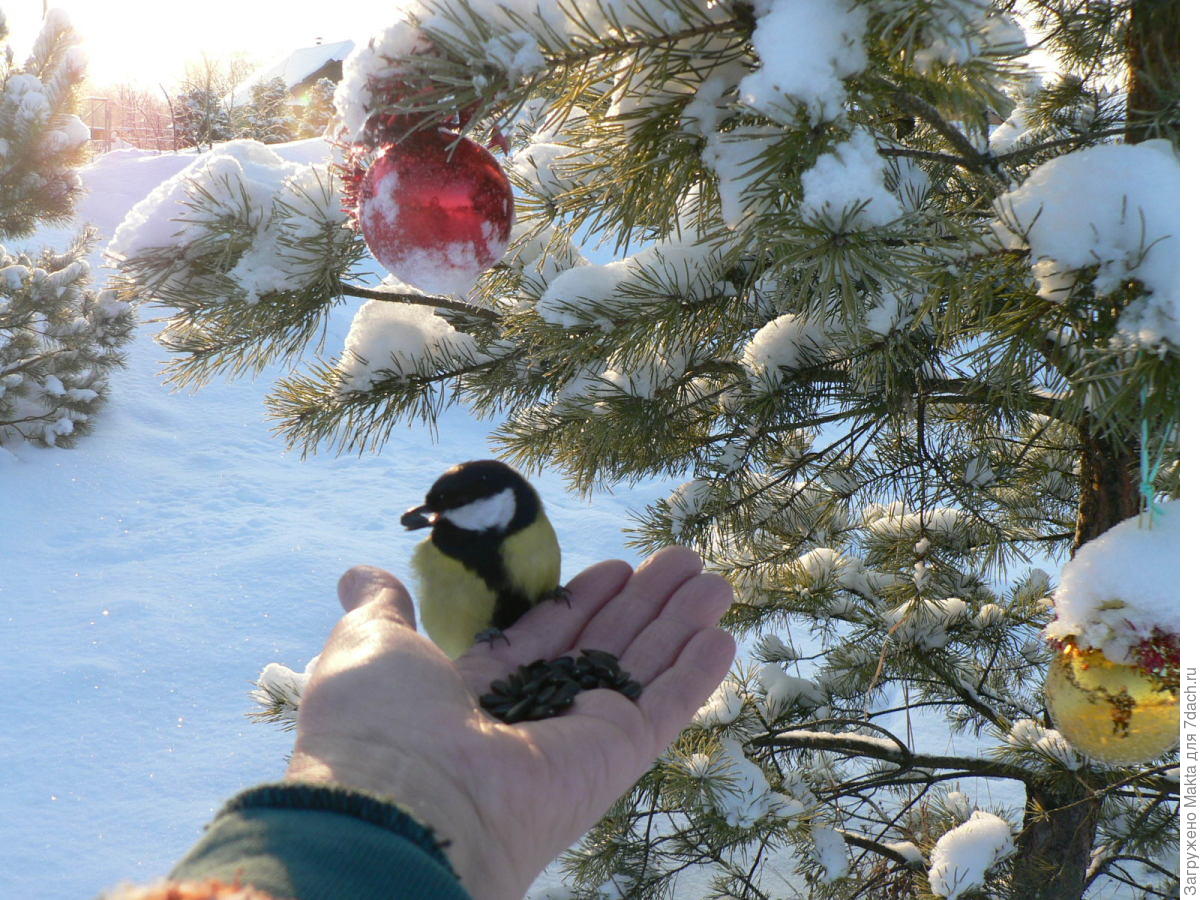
1153 46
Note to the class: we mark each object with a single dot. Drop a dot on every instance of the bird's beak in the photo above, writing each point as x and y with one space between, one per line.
418 517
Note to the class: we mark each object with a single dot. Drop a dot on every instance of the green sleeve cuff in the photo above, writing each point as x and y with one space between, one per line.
315 842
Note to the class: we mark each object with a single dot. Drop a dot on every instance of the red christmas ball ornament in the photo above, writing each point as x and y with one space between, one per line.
434 218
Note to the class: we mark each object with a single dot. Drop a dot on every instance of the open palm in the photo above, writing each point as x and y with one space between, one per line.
386 711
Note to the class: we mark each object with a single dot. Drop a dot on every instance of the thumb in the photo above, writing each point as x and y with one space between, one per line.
367 584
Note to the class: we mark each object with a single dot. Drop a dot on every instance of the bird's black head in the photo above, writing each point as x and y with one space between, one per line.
478 496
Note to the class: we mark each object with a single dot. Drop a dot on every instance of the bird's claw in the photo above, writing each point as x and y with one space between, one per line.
491 634
559 595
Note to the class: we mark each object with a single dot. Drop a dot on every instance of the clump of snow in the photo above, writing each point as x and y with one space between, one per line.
1029 734
1122 586
685 503
795 784
908 850
522 32
367 66
963 855
780 689
742 794
279 688
1114 207
1009 132
732 456
959 806
540 250
923 623
847 183
722 707
388 339
697 765
806 51
897 522
773 648
539 165
908 181
788 341
644 377
965 31
709 107
989 614
825 567
517 53
822 565
978 472
732 156
71 133
594 294
829 849
891 312
307 202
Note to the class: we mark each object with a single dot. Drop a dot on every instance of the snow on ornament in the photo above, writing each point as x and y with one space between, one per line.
436 211
1113 688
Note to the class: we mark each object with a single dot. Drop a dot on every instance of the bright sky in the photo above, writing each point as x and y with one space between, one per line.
148 42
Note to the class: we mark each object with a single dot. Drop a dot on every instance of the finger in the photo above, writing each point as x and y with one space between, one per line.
366 585
671 699
614 627
549 629
698 603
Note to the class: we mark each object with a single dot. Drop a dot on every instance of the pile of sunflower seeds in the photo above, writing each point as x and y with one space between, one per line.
544 689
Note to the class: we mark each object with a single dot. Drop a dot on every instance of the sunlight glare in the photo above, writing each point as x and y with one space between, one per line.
148 42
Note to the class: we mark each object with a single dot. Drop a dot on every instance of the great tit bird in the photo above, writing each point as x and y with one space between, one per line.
492 553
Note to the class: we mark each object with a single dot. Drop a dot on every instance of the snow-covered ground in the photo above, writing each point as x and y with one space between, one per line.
147 575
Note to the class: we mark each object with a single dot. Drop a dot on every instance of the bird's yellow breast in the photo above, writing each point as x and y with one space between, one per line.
456 604
532 558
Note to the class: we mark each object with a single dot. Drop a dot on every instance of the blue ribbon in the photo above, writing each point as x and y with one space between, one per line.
1149 471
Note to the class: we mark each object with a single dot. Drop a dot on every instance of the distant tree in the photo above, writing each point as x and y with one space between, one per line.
58 339
203 110
319 109
268 117
142 117
200 119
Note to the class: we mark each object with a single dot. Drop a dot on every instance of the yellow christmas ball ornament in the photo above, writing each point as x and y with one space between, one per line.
1112 713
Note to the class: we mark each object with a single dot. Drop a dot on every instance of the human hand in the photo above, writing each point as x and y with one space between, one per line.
387 712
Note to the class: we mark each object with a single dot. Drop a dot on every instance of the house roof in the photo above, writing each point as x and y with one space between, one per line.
294 68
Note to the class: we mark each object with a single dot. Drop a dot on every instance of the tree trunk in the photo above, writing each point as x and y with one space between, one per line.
1153 44
1055 845
1108 490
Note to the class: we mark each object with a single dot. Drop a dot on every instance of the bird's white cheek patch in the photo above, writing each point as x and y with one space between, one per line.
490 512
